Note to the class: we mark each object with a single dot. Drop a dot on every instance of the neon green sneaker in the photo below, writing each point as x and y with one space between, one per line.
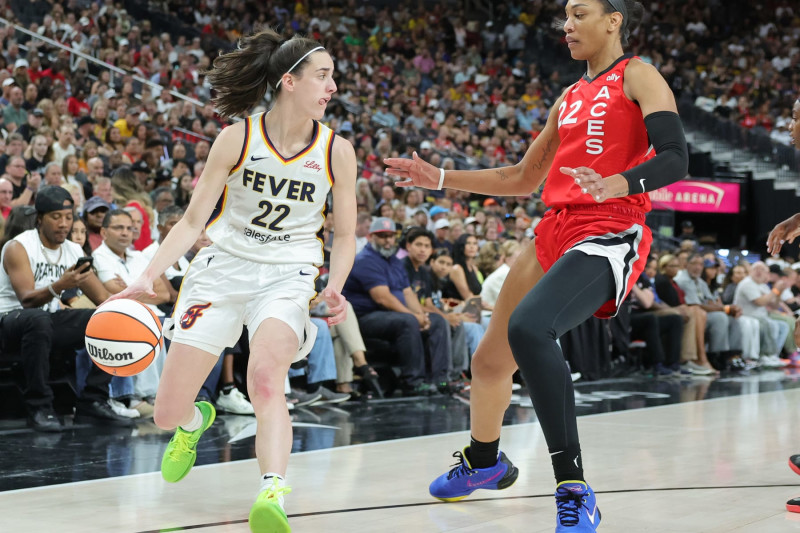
267 514
181 452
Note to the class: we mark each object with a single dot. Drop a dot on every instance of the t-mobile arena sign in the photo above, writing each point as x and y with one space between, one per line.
698 197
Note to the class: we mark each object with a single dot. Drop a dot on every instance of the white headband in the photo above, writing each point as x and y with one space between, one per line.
297 63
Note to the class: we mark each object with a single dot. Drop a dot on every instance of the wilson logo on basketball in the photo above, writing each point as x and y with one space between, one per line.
313 165
105 355
192 314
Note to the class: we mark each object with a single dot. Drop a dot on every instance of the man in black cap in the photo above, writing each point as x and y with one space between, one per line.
687 231
38 266
163 178
86 131
34 122
94 211
142 173
155 146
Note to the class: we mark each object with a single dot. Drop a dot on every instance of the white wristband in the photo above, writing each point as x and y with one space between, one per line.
441 179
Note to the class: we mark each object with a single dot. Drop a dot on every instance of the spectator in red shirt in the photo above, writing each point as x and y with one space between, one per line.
77 104
54 72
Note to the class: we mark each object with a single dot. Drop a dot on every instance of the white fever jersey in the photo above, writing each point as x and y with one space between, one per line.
273 207
47 267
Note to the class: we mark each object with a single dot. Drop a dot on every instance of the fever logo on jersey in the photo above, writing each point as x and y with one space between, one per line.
192 314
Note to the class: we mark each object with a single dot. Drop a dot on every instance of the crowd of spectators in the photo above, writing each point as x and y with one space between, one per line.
461 91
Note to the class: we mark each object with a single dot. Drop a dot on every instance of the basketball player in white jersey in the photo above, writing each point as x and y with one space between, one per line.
268 176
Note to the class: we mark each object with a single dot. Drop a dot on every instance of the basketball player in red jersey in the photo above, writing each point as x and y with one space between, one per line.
610 138
269 177
785 232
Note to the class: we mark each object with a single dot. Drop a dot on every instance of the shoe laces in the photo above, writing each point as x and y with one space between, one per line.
461 468
569 506
181 448
276 491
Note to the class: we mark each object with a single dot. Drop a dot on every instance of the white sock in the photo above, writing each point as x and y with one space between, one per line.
268 479
197 421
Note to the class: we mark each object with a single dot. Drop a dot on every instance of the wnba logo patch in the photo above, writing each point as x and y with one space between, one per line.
192 314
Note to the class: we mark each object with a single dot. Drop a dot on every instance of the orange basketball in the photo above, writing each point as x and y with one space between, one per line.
123 337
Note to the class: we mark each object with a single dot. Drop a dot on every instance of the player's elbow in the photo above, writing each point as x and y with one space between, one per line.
677 159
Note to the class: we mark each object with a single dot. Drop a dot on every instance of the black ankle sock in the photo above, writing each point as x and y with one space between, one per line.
482 454
567 464
312 388
228 387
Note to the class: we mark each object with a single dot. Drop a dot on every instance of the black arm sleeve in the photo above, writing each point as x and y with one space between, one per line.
671 162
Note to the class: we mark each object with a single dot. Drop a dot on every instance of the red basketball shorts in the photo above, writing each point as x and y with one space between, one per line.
615 232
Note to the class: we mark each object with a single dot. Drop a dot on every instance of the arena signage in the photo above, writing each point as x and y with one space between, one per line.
698 197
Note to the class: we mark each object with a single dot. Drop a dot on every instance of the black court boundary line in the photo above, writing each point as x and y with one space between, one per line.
475 500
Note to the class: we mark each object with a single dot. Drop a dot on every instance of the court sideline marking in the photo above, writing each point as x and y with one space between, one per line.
475 500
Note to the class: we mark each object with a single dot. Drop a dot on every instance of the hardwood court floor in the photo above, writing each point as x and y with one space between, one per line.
710 466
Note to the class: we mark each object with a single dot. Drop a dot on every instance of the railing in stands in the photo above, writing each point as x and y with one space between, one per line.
755 141
97 63
189 136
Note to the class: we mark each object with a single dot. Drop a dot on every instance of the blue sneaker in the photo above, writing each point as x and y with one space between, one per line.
463 480
577 508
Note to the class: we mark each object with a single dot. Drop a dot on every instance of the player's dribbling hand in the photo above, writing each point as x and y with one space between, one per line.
134 290
782 233
337 306
416 172
593 184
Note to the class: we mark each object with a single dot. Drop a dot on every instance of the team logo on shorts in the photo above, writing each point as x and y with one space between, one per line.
192 314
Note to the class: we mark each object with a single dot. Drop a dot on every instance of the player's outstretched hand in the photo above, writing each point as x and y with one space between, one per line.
415 172
337 306
784 232
134 290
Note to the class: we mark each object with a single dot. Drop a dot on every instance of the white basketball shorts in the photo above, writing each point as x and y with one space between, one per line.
221 292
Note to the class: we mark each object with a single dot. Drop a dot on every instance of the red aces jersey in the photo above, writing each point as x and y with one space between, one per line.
602 129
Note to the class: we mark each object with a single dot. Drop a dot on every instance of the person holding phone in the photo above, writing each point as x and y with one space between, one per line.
84 261
38 265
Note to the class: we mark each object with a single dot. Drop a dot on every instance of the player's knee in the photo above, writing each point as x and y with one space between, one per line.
521 330
264 386
486 365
